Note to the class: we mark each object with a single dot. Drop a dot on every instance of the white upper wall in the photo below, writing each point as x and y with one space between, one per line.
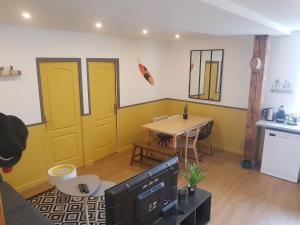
167 61
236 69
284 65
20 47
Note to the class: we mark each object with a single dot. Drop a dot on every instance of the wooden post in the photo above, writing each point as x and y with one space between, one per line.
2 219
258 64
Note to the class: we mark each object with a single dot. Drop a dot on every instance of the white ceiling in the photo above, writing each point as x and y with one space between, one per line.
163 18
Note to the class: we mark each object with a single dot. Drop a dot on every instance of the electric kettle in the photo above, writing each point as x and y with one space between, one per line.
267 113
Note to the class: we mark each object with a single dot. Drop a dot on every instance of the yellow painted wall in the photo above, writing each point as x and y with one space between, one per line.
131 119
228 134
129 126
229 123
32 168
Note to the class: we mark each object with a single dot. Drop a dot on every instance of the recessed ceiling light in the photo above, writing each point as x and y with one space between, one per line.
145 31
26 15
98 25
177 36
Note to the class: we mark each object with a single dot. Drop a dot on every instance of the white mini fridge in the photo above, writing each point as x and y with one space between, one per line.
281 155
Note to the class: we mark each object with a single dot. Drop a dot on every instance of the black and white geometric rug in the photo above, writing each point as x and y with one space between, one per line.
73 214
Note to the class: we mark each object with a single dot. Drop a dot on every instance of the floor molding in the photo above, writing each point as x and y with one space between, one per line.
31 184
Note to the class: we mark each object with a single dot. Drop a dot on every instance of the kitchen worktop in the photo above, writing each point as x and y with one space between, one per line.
279 126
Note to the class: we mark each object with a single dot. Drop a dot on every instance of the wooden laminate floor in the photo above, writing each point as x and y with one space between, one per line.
240 197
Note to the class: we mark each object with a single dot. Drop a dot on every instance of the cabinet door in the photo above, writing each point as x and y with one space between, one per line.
281 155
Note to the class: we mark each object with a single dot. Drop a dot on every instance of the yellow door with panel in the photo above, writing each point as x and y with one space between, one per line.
102 83
61 102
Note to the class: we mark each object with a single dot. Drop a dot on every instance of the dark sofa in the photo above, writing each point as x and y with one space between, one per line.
17 211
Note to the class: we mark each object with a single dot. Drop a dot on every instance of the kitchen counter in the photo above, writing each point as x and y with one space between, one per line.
279 126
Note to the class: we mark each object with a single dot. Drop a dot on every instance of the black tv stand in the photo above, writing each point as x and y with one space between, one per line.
194 210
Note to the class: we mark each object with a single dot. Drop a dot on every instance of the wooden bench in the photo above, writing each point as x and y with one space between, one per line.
146 147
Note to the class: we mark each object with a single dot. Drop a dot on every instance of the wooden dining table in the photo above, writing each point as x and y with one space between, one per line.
175 126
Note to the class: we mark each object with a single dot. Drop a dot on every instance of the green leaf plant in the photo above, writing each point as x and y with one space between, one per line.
193 174
186 109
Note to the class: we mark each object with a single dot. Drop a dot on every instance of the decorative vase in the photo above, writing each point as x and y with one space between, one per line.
185 116
191 190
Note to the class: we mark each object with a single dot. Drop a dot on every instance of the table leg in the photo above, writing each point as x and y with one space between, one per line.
55 194
150 134
96 208
86 210
63 198
133 155
174 144
186 147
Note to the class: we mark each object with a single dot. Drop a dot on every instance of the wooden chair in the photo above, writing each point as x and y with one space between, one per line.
204 134
189 142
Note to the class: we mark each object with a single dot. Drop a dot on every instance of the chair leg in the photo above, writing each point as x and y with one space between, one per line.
200 154
196 155
181 150
210 148
132 155
165 142
141 154
159 141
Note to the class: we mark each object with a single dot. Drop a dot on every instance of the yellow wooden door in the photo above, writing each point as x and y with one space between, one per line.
205 93
214 95
103 112
60 90
210 81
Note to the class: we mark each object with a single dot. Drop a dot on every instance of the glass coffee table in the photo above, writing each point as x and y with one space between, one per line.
70 187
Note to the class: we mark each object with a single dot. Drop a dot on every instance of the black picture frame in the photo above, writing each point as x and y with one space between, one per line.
219 78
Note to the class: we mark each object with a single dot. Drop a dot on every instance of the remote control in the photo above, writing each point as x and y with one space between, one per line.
83 188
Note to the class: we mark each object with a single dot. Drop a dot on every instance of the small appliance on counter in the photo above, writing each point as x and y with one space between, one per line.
268 113
293 119
280 115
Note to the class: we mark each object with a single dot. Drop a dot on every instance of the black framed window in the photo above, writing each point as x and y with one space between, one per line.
206 68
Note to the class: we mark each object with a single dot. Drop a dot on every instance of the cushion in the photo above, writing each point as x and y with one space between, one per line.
10 198
26 215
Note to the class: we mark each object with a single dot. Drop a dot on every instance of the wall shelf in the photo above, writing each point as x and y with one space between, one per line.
6 73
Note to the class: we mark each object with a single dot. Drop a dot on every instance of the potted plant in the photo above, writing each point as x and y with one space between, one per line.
193 175
185 111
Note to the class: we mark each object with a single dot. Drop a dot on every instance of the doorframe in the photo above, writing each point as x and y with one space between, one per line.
117 87
43 60
43 117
